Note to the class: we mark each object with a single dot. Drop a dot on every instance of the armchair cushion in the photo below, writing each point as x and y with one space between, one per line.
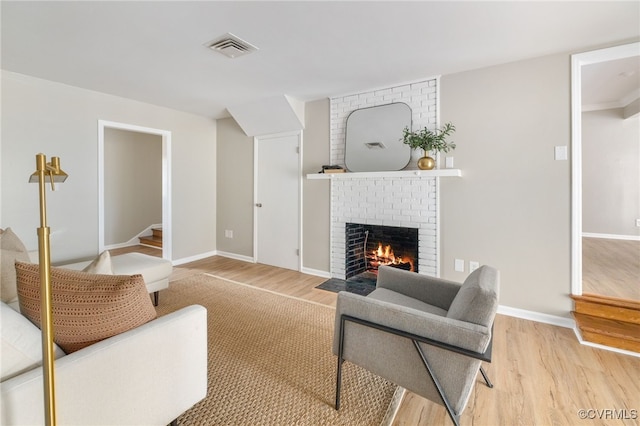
477 299
86 308
431 290
401 300
465 335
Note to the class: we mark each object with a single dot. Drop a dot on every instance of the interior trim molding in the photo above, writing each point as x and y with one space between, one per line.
611 236
316 272
537 316
234 256
195 258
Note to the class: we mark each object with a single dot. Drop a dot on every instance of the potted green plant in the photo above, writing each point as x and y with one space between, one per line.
429 140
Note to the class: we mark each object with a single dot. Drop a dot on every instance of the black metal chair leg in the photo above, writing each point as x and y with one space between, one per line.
155 298
486 378
340 361
338 383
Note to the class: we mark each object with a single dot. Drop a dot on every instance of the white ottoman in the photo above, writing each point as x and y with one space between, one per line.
154 270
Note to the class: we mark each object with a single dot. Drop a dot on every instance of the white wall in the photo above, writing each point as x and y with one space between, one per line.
610 173
316 193
56 119
511 208
234 159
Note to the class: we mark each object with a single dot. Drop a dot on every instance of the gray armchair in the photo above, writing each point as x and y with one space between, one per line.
425 334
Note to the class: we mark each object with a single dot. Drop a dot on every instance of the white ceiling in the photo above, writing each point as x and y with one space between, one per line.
611 84
154 51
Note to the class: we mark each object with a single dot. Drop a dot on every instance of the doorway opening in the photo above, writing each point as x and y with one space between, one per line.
159 167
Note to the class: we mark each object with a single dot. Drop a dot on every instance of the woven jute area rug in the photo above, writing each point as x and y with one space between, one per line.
270 361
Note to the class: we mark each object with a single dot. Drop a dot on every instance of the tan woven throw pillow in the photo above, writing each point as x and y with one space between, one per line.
86 307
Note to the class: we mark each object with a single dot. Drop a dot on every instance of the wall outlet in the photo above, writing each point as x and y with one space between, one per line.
637 222
473 265
228 233
458 265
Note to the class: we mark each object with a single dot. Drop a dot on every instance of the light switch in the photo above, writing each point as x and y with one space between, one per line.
459 265
561 152
448 162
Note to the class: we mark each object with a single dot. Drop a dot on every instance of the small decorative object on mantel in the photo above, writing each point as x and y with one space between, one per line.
332 169
429 140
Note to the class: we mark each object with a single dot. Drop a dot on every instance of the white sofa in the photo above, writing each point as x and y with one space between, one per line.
146 376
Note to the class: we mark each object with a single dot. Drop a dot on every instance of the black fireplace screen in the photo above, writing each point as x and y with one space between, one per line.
369 246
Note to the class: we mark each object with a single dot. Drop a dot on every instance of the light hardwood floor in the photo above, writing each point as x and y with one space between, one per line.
611 267
542 375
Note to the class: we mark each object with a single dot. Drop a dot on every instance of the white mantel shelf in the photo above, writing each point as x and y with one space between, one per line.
401 173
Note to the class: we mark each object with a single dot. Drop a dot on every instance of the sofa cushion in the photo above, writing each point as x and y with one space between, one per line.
11 249
21 345
86 307
100 265
477 299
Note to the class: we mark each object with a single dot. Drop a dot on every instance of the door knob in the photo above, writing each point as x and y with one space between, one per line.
258 204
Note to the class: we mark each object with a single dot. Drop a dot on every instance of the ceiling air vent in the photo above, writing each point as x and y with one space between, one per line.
231 46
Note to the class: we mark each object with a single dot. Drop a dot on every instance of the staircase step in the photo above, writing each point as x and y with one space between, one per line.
157 232
151 240
618 334
608 307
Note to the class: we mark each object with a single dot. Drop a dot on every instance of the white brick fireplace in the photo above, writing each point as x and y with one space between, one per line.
399 201
386 198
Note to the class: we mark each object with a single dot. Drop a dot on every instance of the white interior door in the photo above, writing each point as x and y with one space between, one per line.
277 201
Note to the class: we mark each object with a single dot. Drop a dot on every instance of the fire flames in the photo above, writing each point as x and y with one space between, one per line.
384 255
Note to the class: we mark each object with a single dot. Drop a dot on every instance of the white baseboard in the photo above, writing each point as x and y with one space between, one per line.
236 256
537 316
611 236
316 272
193 258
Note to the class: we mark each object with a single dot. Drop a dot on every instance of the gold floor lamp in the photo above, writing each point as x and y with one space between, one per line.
46 172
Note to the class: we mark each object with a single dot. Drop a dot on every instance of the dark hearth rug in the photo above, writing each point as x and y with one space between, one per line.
362 284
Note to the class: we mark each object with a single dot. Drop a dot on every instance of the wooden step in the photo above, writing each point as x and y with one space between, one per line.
153 240
618 334
157 232
608 307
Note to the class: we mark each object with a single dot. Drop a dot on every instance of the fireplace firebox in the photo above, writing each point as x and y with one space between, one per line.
370 246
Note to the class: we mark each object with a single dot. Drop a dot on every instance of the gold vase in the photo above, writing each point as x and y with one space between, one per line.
426 163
